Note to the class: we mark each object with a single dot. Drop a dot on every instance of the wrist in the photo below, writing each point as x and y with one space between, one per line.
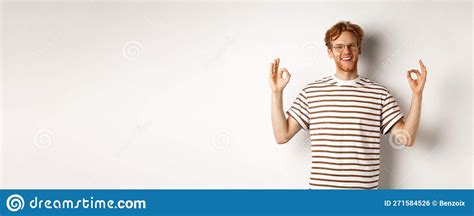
277 92
417 95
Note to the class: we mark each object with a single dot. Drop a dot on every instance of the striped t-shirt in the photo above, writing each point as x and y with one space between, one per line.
345 119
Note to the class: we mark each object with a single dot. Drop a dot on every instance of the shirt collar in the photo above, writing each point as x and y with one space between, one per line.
351 82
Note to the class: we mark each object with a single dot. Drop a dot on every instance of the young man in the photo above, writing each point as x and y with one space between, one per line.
345 115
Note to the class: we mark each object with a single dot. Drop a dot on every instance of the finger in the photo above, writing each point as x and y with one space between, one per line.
424 74
409 77
285 75
275 68
423 70
410 72
278 62
421 64
418 74
288 76
271 70
283 70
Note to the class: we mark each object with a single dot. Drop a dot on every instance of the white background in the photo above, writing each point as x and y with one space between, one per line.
175 95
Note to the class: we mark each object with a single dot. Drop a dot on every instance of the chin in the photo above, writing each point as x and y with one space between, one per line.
348 69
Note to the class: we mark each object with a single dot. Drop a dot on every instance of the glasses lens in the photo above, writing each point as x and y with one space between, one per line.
338 48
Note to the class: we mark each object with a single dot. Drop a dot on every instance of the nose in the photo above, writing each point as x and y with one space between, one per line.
346 50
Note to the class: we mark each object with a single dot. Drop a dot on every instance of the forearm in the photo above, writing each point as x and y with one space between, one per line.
279 122
413 119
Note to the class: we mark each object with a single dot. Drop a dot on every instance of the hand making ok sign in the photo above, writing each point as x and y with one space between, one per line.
417 84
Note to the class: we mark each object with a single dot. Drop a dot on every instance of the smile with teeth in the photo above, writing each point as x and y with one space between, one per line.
346 58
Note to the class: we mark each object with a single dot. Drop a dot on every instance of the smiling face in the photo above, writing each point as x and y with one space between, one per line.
345 52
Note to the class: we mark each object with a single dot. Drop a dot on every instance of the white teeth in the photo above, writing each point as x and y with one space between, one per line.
346 58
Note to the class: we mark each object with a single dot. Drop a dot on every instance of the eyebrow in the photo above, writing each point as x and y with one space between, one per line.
353 43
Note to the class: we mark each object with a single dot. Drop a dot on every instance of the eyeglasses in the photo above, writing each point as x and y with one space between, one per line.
340 47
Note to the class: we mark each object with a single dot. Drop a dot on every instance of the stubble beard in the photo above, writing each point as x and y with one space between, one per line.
348 69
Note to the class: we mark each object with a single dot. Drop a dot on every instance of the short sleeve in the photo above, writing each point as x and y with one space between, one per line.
299 110
391 113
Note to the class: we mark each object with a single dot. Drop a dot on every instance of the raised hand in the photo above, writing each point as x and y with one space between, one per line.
418 84
278 77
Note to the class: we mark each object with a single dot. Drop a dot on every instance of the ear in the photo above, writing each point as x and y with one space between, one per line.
330 54
360 50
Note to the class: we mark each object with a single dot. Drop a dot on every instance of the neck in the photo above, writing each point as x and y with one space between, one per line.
345 75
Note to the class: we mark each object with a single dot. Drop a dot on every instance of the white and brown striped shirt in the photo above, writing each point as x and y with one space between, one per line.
345 119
